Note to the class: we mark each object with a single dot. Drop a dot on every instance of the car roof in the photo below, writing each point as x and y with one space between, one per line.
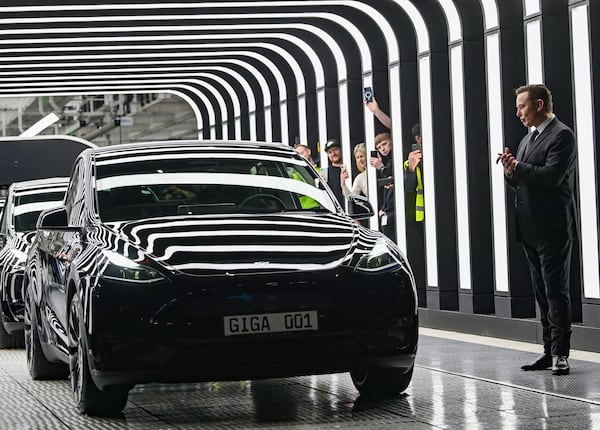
40 183
169 145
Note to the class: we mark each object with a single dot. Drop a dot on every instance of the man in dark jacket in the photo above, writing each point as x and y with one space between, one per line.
384 163
334 170
542 175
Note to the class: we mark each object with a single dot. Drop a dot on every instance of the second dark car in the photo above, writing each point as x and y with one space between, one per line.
25 200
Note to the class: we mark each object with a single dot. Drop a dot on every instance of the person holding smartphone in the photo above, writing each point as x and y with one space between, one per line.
415 213
383 161
414 200
413 175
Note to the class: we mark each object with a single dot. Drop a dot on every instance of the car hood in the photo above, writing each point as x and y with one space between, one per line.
247 244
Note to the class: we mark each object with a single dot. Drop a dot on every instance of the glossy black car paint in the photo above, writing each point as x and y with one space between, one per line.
215 265
25 200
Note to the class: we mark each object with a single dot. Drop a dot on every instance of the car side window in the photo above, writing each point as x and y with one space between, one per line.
3 220
75 195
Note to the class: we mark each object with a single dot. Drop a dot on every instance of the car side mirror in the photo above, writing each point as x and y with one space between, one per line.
359 207
53 219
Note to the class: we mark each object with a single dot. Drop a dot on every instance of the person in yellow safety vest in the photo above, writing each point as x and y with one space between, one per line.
415 214
413 176
305 201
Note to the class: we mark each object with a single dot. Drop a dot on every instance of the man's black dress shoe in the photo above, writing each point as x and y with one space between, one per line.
560 365
543 362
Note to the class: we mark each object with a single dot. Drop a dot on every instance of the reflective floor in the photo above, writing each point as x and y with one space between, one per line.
457 384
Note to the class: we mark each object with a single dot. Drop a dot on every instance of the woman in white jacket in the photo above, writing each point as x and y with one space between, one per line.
359 186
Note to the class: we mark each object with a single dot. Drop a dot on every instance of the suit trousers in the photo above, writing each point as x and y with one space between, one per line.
549 266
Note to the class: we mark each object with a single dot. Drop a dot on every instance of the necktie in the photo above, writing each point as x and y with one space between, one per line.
530 142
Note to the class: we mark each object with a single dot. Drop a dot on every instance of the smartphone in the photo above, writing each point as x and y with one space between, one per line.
343 167
374 153
417 147
368 94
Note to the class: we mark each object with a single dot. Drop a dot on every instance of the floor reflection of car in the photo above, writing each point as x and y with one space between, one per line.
199 261
24 202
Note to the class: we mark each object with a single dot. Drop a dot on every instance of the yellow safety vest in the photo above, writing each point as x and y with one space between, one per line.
305 201
420 200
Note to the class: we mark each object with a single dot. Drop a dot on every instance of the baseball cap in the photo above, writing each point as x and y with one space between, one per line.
331 143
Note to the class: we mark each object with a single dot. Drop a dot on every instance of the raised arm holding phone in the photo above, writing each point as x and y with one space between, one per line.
414 197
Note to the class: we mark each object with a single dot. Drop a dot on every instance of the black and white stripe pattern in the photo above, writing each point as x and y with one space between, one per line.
23 198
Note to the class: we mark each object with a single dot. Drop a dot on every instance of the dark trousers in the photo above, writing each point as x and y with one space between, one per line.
415 249
549 266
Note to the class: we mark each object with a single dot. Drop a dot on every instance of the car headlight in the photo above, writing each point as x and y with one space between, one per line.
122 268
383 257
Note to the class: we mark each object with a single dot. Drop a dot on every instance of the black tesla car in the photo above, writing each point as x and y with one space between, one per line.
25 200
198 261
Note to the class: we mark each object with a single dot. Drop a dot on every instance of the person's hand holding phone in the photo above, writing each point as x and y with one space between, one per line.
376 160
414 157
369 100
368 94
344 175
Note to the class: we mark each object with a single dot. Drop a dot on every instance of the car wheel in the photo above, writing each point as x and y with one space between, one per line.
88 397
39 367
7 340
381 382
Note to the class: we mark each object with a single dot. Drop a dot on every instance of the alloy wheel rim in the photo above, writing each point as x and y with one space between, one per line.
28 333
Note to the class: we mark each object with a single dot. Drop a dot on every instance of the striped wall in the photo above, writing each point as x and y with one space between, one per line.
294 71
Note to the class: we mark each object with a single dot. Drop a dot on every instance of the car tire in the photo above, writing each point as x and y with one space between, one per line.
88 397
10 341
39 367
381 382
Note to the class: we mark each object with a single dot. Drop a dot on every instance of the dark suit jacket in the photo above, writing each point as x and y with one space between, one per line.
544 185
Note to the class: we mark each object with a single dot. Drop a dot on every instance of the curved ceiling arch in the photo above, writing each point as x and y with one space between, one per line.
256 55
340 63
322 34
272 47
270 69
389 35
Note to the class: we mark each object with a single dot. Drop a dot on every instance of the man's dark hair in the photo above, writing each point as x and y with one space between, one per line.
416 130
537 92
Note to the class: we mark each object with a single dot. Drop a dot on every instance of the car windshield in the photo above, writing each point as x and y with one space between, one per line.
207 183
28 207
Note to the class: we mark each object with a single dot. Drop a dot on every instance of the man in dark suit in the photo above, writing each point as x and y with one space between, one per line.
542 176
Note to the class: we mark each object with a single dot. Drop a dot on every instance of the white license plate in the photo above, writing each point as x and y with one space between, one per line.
270 323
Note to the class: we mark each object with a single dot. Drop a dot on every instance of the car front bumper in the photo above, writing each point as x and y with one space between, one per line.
175 332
